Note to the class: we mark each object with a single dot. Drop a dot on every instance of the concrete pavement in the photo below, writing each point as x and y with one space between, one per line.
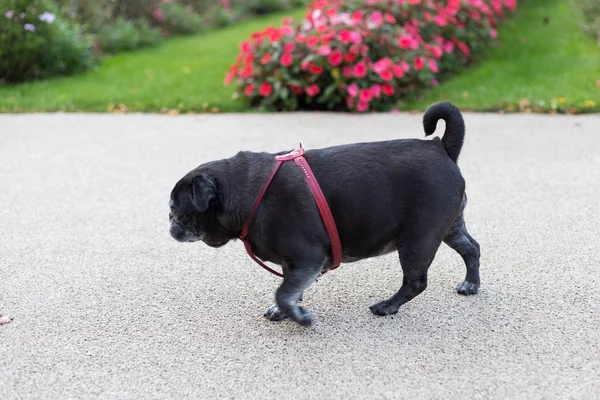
108 306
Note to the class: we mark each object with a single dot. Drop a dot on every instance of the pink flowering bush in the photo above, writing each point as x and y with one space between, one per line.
363 55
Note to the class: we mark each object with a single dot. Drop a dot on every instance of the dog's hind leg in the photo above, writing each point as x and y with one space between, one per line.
415 257
458 238
297 277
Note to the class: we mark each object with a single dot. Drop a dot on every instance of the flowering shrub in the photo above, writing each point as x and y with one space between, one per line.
261 7
126 35
590 10
36 43
363 55
177 19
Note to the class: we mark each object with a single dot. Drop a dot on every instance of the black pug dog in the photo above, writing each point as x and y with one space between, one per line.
406 195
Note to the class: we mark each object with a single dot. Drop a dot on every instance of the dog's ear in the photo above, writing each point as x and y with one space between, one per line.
204 191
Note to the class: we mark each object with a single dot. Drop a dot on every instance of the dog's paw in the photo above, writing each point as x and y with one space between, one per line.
383 308
467 288
303 317
274 313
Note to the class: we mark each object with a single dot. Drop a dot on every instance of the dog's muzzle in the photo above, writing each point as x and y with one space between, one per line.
179 233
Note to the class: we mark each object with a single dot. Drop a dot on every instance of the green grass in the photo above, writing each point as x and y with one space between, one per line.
534 61
553 67
182 73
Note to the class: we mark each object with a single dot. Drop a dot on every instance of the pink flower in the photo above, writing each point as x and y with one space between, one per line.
476 15
434 82
386 75
357 16
246 47
390 18
287 30
355 37
382 65
229 77
365 95
352 90
158 15
376 90
387 89
324 50
362 106
265 89
493 33
335 58
347 71
289 47
224 3
437 51
360 70
440 20
511 4
350 58
433 66
9 14
296 89
315 69
598 83
419 63
286 59
448 47
312 41
313 90
345 36
275 35
405 42
377 18
405 67
265 59
249 89
398 71
464 48
453 7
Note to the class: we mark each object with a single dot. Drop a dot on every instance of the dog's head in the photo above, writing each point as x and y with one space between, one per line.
195 204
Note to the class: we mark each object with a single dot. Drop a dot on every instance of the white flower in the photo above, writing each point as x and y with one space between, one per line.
47 17
29 27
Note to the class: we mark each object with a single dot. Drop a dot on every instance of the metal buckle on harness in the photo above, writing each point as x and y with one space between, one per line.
292 154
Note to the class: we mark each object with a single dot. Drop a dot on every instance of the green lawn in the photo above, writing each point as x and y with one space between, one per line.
534 61
537 66
182 73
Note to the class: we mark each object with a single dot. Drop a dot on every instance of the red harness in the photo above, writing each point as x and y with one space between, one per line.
298 157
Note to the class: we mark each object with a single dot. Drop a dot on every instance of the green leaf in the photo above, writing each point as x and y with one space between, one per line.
284 93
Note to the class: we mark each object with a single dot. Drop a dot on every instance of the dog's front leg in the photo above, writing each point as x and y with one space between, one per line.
296 278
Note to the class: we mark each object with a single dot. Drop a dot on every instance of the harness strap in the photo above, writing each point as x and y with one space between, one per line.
298 157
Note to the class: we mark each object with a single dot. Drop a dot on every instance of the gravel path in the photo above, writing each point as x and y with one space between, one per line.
107 305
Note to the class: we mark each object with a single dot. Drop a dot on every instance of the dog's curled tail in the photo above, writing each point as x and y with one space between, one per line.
454 135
